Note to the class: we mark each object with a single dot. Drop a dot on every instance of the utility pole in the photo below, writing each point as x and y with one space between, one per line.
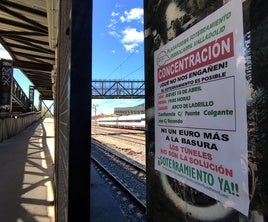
94 106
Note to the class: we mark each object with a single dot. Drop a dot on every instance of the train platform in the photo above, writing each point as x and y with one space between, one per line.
26 174
26 179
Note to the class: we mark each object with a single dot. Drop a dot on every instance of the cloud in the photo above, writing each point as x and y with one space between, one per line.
118 6
132 39
129 36
112 24
131 47
133 14
114 14
115 34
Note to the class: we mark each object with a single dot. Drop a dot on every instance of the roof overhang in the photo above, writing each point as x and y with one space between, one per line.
29 32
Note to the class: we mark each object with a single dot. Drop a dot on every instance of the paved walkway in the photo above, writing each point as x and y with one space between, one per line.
26 174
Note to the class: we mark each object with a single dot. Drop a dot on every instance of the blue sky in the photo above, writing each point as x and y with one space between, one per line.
117 49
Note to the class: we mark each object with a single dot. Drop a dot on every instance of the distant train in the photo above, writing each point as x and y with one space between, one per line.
130 122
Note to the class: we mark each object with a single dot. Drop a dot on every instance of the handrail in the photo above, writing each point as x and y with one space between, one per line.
19 94
26 114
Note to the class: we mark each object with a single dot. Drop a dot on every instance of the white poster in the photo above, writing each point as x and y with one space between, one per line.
200 108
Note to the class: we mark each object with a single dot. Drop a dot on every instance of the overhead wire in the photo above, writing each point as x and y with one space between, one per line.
134 71
120 66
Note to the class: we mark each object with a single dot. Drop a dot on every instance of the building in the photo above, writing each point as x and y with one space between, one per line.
139 109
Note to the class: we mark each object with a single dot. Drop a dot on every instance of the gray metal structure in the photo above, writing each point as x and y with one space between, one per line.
118 89
48 42
28 30
20 101
100 89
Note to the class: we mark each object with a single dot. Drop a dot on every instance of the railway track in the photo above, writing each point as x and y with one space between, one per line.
135 136
107 130
128 176
128 142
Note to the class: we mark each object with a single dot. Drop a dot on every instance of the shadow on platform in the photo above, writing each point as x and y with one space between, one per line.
26 175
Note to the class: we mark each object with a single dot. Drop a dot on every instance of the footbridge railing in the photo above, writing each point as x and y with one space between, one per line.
19 96
118 89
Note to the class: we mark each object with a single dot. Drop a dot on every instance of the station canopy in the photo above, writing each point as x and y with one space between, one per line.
28 31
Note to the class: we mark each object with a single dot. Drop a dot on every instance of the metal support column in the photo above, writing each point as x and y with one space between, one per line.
80 101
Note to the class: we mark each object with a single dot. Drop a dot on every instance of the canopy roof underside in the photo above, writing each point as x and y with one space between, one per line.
28 32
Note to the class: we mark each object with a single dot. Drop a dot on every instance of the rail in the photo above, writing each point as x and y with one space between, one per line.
19 95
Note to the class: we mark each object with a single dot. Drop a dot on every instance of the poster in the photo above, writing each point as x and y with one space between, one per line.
200 108
6 74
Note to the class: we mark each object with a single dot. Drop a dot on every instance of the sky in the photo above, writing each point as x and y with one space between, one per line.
117 49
